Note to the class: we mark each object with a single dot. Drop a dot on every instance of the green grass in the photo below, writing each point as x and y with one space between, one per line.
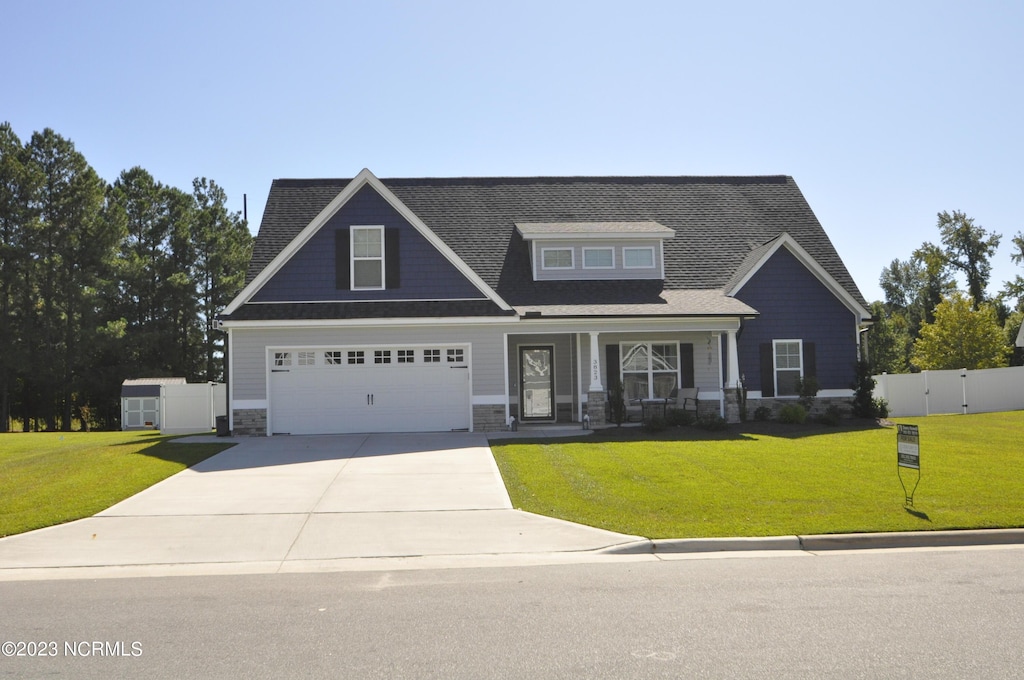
54 477
771 479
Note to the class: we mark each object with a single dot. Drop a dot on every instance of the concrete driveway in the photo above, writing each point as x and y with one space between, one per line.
308 503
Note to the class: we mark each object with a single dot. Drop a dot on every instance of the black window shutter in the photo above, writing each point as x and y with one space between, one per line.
392 263
810 360
767 370
686 364
342 259
611 357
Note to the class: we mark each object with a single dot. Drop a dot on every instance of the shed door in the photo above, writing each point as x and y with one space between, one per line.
368 389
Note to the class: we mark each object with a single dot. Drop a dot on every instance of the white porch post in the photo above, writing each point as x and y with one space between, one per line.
595 365
595 393
733 379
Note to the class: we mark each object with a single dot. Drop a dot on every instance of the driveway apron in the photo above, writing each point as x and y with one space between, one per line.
273 502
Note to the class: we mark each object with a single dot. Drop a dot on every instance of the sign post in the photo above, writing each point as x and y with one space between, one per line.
908 455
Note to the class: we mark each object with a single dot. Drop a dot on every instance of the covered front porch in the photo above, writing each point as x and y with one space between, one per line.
563 372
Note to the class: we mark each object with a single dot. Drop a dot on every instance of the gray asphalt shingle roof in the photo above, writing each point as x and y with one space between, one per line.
718 222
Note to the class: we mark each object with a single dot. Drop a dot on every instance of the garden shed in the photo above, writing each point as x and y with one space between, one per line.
171 405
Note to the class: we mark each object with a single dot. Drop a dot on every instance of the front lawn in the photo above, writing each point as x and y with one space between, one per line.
51 477
771 479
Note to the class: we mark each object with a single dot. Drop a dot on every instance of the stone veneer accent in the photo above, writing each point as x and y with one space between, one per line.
596 402
251 422
820 404
489 418
732 406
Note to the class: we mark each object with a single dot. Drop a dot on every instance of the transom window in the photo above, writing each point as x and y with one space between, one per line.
332 358
356 357
282 358
638 258
556 258
789 366
649 370
431 356
406 356
367 258
598 258
382 356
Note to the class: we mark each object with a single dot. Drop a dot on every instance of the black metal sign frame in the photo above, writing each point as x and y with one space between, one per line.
908 455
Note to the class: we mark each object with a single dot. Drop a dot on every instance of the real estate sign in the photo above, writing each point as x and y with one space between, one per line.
908 447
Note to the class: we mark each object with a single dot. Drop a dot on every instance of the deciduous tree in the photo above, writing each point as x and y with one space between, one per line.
969 249
961 337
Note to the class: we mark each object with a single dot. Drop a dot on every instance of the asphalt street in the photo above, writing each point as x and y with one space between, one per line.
921 613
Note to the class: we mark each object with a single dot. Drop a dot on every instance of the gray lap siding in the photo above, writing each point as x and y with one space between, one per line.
794 304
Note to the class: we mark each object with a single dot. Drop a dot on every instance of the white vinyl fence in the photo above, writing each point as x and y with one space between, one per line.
191 408
931 392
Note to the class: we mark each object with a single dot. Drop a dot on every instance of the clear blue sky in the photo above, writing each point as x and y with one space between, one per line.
885 113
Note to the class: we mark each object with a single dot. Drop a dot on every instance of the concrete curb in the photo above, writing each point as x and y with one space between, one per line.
823 542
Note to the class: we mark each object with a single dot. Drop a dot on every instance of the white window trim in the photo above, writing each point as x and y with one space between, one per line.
775 366
353 258
604 248
649 249
572 258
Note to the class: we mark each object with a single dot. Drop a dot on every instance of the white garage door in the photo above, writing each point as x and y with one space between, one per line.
368 389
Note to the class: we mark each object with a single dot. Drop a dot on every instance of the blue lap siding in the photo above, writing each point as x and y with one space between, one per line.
310 275
794 304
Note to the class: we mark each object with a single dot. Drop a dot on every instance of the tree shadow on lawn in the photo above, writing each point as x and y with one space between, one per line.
186 454
748 431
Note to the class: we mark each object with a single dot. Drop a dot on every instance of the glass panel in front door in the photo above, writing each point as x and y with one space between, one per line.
537 385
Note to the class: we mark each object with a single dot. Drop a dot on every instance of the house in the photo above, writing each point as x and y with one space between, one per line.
461 304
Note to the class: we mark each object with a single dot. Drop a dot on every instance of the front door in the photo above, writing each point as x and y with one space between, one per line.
536 383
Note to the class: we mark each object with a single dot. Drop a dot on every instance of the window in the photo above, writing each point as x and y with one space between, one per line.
307 358
406 356
649 370
455 356
431 356
788 366
556 258
356 357
638 258
382 356
332 358
367 258
282 358
598 258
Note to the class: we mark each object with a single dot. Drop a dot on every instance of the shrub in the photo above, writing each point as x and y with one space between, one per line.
832 415
676 417
807 388
864 406
713 423
794 414
762 413
881 408
655 424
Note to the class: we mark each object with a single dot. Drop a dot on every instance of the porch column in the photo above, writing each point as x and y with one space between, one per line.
595 365
595 393
733 379
731 400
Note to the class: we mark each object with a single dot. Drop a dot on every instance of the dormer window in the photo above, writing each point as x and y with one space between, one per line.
599 258
566 251
557 258
638 258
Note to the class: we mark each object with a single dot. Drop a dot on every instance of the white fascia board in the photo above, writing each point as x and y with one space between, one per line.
348 323
601 236
1020 337
362 179
534 325
812 265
